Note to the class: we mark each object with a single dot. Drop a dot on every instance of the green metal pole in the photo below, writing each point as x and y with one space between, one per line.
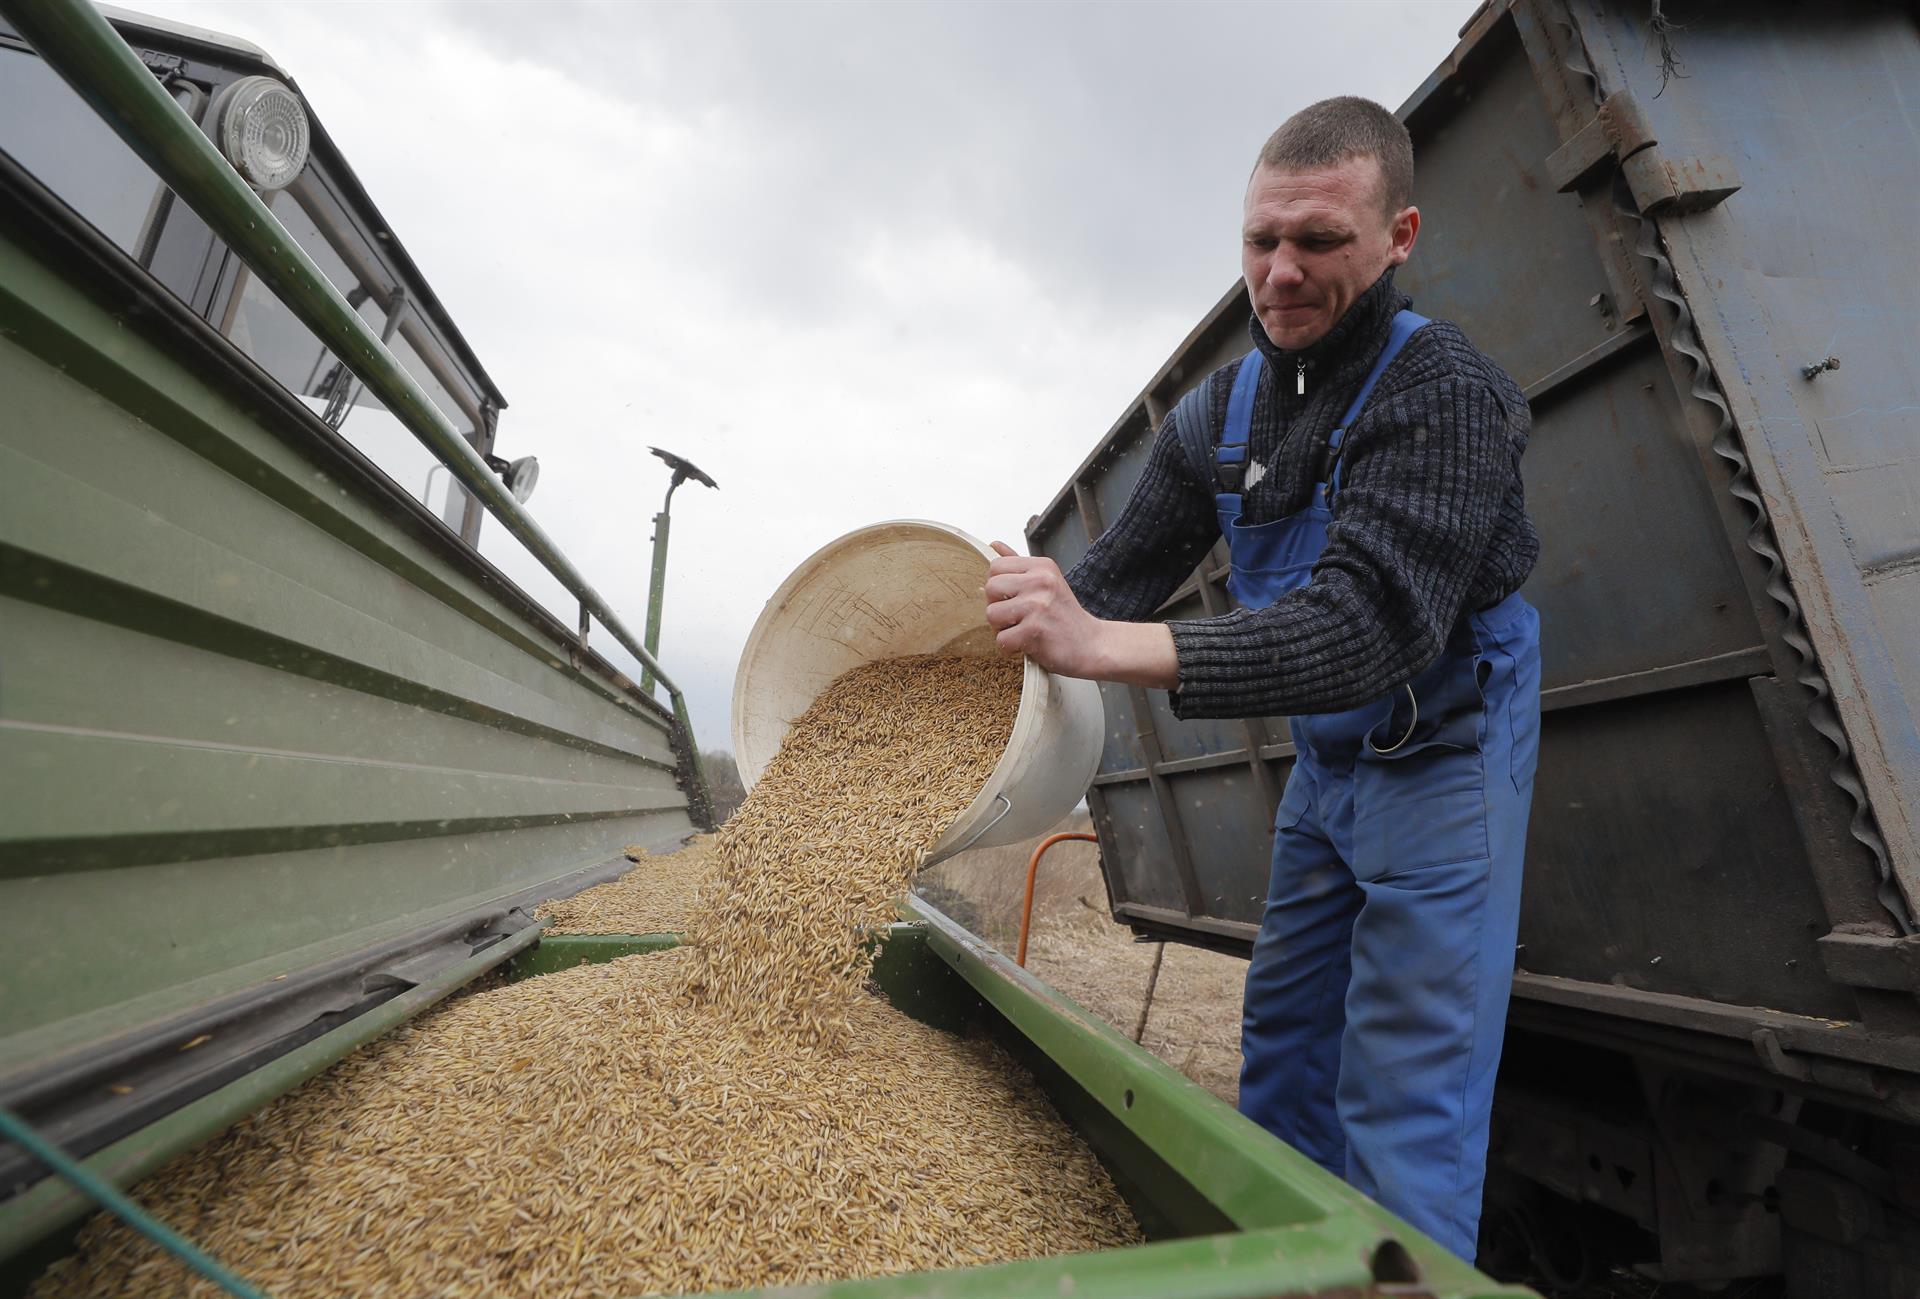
657 589
656 595
656 600
705 791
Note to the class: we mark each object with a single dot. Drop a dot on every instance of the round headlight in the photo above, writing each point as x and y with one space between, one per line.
521 475
262 129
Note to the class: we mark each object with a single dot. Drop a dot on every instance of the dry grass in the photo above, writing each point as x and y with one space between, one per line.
1193 1021
655 897
739 1113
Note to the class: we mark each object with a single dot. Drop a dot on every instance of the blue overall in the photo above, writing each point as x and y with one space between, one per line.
1377 994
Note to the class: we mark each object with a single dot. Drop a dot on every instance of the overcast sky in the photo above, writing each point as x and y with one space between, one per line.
858 262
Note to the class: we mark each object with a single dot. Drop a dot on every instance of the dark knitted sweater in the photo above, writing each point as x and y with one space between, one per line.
1429 521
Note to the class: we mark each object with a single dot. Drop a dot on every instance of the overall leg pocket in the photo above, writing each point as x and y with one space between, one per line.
1419 780
1418 808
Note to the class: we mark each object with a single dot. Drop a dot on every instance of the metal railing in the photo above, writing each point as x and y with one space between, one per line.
79 44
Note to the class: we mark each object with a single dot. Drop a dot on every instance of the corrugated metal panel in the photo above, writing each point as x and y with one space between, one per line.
257 710
1693 834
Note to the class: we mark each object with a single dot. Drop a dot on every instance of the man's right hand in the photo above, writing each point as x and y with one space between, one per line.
1034 612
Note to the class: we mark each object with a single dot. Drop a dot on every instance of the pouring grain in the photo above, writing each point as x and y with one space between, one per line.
863 785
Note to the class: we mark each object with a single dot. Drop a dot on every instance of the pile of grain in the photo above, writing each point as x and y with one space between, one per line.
745 1112
655 897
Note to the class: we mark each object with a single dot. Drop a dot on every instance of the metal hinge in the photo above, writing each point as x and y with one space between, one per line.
1620 135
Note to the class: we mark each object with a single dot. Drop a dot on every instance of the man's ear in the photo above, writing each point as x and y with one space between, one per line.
1406 229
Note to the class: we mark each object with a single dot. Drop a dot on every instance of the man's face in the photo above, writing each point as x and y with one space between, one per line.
1313 241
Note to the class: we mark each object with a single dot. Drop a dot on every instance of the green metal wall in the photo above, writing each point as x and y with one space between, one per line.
252 715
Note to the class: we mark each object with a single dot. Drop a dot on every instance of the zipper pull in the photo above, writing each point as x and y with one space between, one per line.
1300 379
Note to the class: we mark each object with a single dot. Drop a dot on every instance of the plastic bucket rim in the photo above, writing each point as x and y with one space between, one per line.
1033 681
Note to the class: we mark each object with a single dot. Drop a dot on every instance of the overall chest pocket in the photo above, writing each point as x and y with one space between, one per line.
1419 779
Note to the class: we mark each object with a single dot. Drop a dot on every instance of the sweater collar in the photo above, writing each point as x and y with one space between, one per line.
1353 342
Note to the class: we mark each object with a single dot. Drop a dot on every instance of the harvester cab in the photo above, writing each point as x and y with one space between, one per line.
255 113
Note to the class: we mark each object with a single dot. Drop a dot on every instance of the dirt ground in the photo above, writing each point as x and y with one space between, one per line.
1193 1021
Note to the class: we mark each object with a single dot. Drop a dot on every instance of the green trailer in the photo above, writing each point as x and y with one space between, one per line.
279 748
286 761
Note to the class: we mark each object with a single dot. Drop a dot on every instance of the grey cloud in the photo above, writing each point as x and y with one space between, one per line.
1103 149
1081 166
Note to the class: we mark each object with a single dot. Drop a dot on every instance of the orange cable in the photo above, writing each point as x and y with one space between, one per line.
1033 869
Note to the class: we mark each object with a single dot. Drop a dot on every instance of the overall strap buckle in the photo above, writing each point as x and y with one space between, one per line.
1230 467
1230 457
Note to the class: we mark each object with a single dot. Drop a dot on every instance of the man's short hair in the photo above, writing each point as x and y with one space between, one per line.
1334 130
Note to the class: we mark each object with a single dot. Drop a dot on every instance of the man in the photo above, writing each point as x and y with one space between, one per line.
1364 465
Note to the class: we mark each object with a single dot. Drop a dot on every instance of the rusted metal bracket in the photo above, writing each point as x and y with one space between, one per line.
1618 131
1662 184
1592 140
1872 961
1620 135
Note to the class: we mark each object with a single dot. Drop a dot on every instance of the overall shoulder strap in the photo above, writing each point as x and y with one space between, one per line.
1196 439
1402 329
1225 464
1405 325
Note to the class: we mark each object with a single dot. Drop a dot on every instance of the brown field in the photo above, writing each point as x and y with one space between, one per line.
1193 1022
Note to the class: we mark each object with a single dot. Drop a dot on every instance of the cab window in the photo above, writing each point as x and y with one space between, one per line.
51 132
268 332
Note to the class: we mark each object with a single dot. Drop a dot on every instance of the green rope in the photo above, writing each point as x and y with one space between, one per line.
16 1130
